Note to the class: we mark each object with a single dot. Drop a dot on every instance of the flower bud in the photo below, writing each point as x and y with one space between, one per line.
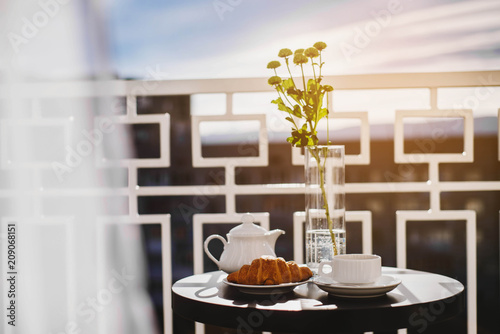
285 53
274 80
311 53
273 64
320 46
299 58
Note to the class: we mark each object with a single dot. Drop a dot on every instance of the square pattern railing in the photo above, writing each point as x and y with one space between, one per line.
131 90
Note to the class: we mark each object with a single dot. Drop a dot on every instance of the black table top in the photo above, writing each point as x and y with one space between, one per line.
421 299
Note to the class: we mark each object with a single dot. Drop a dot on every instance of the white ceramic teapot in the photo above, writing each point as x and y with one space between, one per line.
245 243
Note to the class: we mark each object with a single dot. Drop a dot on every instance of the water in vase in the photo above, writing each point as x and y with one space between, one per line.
319 245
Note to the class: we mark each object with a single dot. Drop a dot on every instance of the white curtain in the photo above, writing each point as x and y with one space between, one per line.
75 271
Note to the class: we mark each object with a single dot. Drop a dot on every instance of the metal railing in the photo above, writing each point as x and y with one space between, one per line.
230 189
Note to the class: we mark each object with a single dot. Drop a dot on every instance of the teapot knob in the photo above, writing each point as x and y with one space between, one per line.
247 219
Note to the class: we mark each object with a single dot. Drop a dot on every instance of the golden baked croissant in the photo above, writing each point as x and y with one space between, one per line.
268 270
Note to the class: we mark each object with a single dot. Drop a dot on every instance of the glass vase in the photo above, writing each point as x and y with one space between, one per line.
325 232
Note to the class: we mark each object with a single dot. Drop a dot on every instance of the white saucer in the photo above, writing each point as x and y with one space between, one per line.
379 288
265 289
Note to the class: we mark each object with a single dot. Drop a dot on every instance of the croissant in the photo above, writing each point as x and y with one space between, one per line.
268 270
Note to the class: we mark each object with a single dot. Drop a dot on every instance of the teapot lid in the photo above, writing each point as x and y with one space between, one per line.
247 227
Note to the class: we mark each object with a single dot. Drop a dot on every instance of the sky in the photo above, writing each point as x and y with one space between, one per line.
201 39
236 38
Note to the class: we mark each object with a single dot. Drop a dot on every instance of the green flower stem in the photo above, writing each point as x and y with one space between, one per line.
293 81
316 104
327 123
314 72
286 97
311 126
280 90
325 199
320 64
304 81
317 115
290 72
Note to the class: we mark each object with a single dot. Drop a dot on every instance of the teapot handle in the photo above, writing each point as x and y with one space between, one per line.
205 246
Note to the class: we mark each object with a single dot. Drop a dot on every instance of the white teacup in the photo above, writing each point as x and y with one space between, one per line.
353 268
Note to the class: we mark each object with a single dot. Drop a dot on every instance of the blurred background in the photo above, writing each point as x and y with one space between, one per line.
79 224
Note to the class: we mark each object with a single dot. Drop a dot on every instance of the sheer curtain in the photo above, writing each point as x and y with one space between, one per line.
74 270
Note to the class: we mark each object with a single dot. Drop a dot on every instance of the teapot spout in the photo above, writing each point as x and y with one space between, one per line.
272 236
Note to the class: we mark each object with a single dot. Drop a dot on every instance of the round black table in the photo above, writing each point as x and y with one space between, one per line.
420 300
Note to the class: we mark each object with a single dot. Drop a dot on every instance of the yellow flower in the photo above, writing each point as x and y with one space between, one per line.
311 53
285 53
299 58
320 46
299 51
274 80
273 64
